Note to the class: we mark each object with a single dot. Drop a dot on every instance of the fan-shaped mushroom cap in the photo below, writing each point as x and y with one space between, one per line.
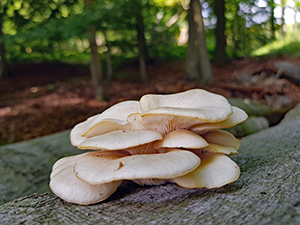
95 169
76 132
220 142
196 99
197 103
67 186
215 170
111 119
221 137
105 126
237 117
120 139
183 110
228 150
181 139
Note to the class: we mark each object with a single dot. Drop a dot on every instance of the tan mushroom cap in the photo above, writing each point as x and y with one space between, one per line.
113 118
222 137
198 104
181 139
120 139
95 169
215 170
220 142
228 150
238 116
67 186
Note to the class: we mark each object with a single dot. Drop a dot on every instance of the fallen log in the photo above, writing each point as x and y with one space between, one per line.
288 71
267 192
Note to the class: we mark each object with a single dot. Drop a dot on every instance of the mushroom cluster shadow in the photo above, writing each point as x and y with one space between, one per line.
174 138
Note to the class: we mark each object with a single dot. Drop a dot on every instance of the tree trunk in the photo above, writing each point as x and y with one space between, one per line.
108 59
3 62
96 70
220 55
272 19
237 33
141 41
108 64
95 65
198 66
191 53
282 18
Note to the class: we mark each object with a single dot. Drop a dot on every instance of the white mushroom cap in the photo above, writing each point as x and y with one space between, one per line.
95 169
105 126
197 103
120 139
108 125
76 132
181 139
111 119
238 116
67 186
215 170
166 113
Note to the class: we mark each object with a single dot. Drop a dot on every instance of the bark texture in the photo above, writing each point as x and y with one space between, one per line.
267 192
25 167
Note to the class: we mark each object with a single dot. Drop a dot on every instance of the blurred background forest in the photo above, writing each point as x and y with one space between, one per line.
64 60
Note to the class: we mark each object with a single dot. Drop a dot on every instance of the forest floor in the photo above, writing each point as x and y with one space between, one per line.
44 98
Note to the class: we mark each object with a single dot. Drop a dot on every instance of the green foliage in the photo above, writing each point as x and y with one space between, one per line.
56 30
210 43
58 34
244 33
290 45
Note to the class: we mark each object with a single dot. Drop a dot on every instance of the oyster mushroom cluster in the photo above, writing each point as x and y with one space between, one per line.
161 138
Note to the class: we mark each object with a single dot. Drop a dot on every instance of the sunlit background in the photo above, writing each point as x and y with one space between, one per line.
47 48
56 29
